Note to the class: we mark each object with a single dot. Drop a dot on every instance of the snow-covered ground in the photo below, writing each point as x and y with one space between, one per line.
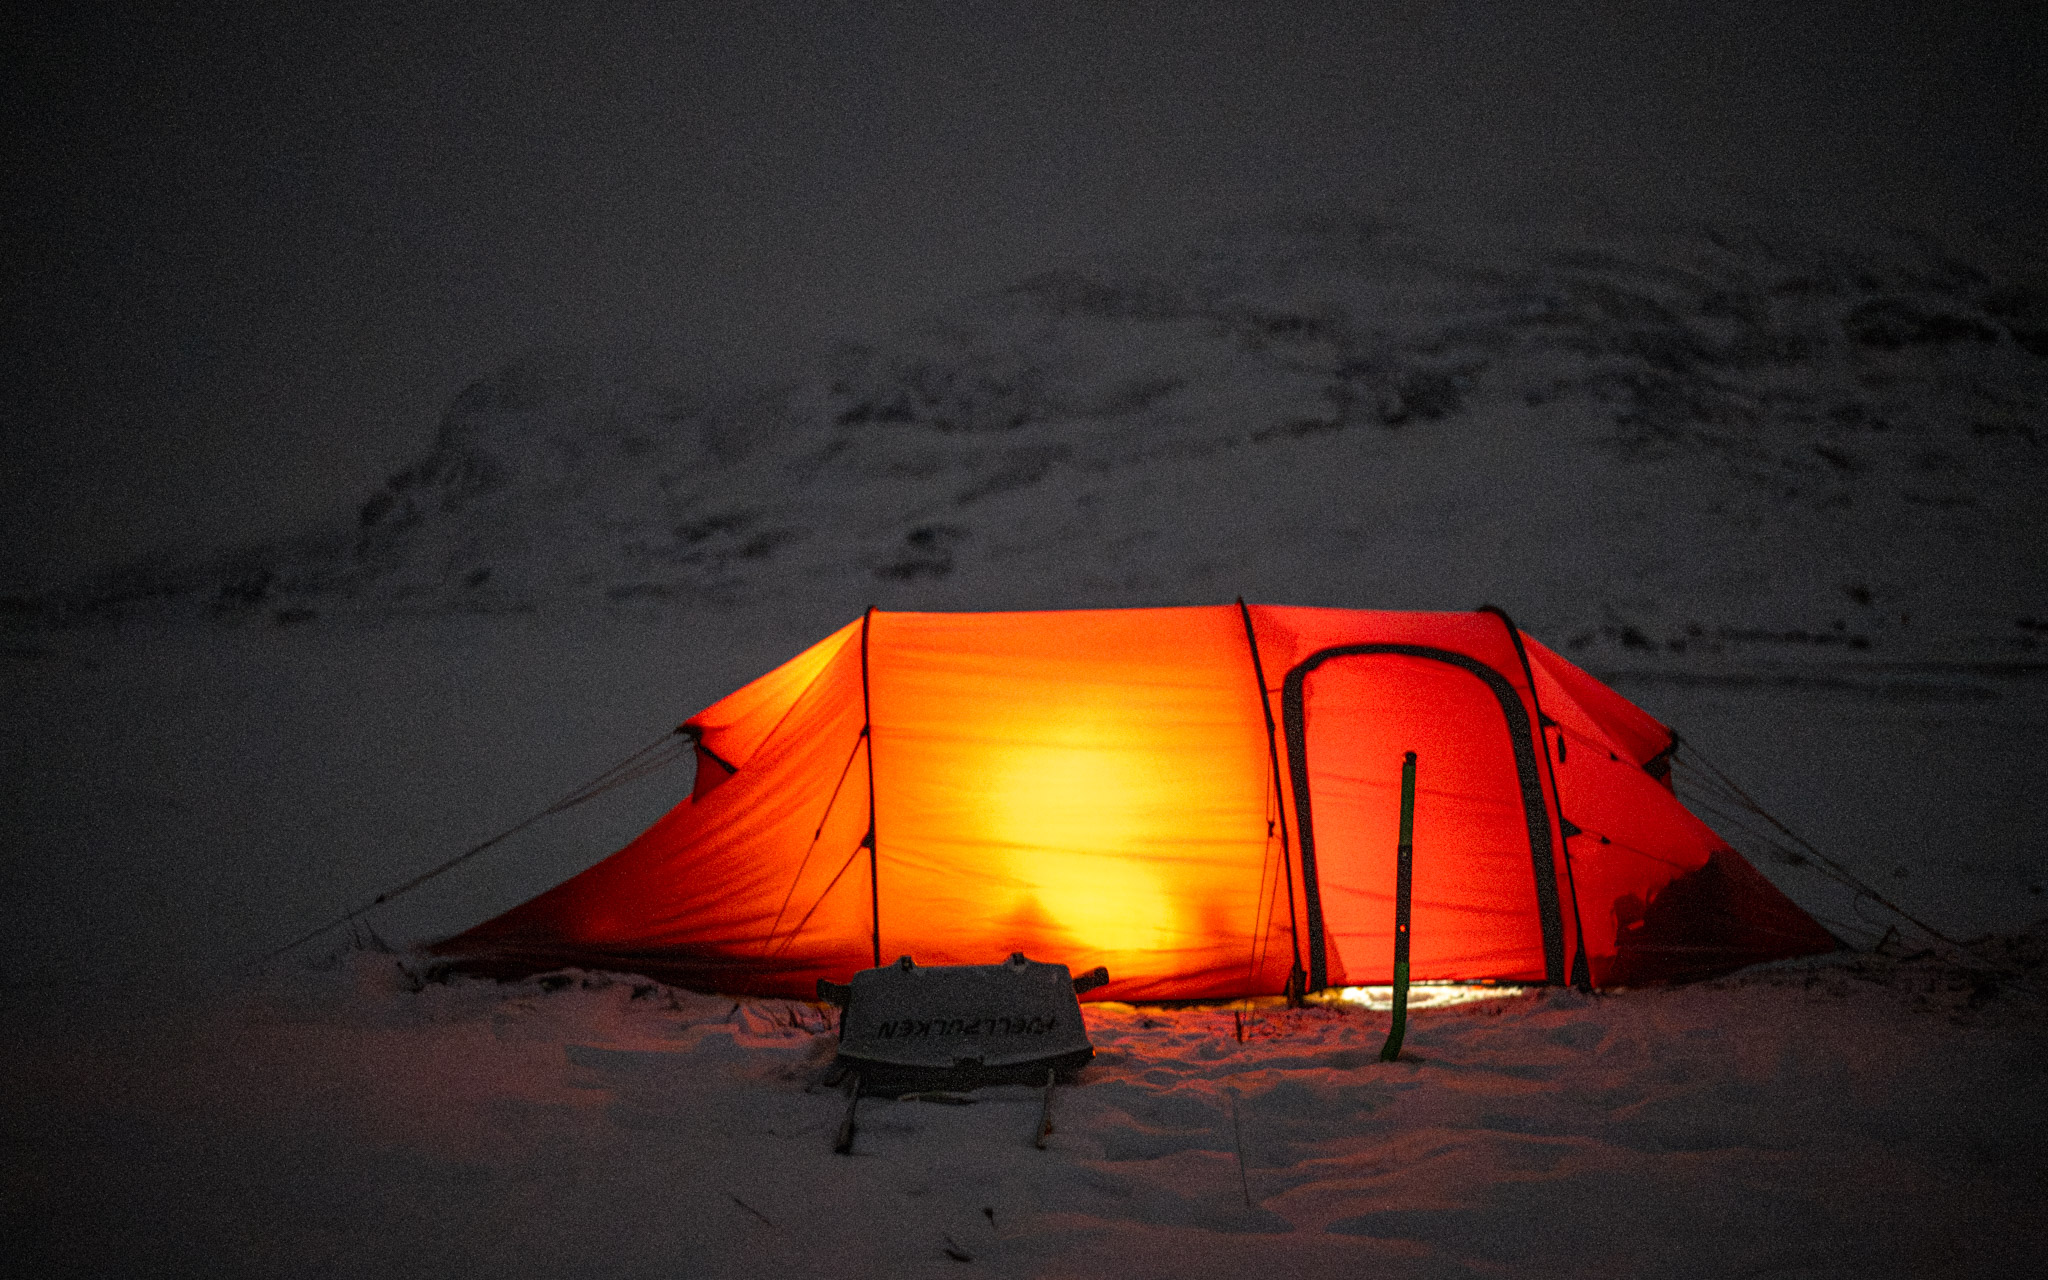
1787 495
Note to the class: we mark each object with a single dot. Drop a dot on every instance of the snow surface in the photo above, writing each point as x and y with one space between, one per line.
1851 1119
1787 495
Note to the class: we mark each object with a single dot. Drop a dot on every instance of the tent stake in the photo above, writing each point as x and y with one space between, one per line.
1044 1117
1404 885
843 1144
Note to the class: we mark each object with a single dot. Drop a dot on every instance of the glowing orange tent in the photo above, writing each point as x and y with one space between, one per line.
1203 799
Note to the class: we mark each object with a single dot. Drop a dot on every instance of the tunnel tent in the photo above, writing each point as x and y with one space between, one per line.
1204 800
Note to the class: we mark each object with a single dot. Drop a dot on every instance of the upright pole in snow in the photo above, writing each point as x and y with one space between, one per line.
1404 886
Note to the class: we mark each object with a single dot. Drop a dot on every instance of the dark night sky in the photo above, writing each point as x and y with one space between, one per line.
252 253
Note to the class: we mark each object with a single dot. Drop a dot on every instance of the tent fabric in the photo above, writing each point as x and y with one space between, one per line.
1101 787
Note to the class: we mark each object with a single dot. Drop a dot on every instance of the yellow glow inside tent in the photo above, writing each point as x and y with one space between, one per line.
1070 820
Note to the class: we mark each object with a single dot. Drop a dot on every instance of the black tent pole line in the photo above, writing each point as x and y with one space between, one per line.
1581 970
631 769
1295 975
867 719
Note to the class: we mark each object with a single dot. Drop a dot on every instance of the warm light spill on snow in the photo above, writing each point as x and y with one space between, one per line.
1425 995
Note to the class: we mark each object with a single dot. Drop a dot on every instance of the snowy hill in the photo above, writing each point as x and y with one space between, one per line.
1680 440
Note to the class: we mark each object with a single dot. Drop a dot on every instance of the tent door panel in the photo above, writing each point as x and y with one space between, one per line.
1485 900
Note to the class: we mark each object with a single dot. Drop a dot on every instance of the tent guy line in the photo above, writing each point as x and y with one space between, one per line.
1714 790
645 762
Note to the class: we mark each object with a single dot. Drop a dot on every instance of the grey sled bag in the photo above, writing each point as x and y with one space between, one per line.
909 1029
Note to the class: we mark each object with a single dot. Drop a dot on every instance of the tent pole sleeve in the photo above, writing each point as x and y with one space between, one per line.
1292 711
867 712
1279 800
1404 893
1582 974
